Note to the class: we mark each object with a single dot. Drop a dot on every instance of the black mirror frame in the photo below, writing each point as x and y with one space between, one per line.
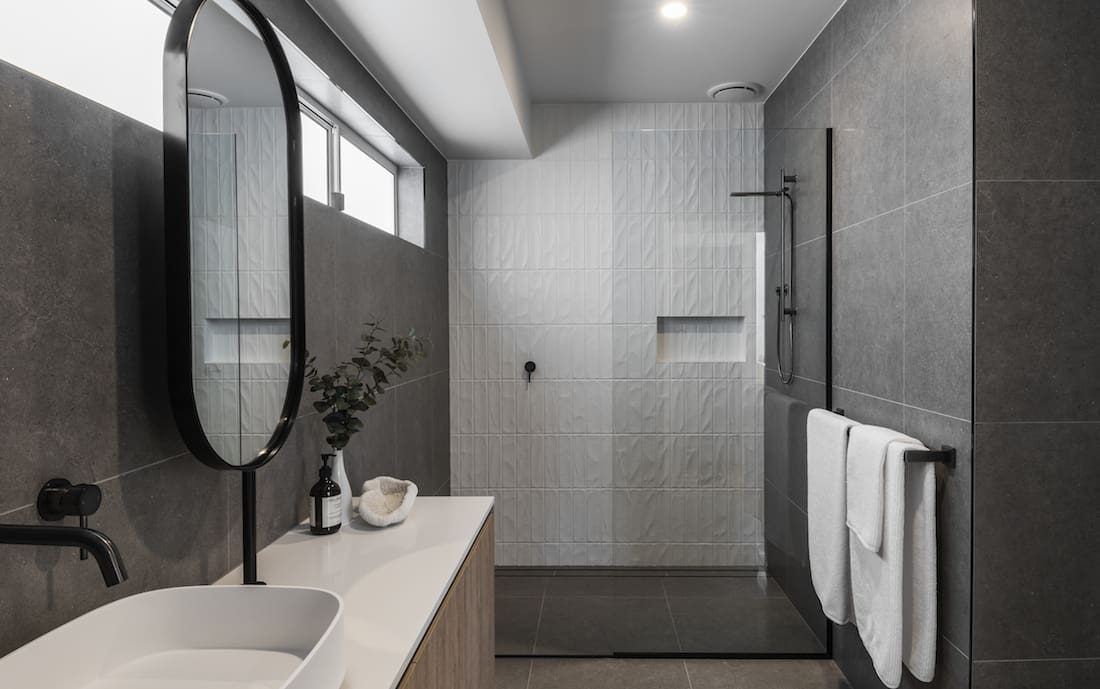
177 240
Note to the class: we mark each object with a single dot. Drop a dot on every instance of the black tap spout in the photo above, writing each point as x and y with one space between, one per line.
102 548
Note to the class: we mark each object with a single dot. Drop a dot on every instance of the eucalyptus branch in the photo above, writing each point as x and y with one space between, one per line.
352 387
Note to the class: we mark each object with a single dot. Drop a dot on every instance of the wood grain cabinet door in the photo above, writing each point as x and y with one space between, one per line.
458 652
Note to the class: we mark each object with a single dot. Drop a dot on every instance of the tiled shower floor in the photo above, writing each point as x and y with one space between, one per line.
565 613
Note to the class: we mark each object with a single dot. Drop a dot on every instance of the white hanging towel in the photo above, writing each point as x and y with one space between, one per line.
894 588
919 612
864 470
826 452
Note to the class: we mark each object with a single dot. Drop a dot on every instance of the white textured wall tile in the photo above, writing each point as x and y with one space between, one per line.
608 456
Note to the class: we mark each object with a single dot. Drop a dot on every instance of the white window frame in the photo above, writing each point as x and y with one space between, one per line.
335 131
309 109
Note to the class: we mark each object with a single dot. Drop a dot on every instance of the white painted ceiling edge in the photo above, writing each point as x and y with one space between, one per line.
451 64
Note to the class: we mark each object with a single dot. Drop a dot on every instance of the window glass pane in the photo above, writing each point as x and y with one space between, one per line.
111 51
368 187
314 159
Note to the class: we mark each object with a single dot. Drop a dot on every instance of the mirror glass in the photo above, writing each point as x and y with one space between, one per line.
239 225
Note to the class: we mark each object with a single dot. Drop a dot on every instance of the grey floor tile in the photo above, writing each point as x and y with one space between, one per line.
721 587
553 673
603 626
520 586
598 586
765 674
726 625
516 624
512 673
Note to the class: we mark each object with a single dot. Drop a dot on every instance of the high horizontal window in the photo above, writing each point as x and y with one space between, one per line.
110 51
369 186
315 156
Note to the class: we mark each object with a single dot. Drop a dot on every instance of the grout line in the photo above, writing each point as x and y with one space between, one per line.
538 623
1033 422
671 617
902 207
1034 181
869 41
952 645
901 404
16 509
1040 660
140 468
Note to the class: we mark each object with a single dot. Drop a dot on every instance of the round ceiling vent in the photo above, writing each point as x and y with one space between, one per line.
201 98
736 91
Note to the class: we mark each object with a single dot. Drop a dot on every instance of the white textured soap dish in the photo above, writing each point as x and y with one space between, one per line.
386 500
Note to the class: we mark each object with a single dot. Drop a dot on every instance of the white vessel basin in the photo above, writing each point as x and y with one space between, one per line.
198 637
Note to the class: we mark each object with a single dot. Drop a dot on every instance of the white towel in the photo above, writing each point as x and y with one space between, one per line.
826 448
866 453
894 588
919 612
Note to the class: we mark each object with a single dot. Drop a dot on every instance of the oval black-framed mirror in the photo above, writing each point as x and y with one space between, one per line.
233 234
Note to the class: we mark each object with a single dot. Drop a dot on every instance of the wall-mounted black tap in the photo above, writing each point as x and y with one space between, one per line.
59 499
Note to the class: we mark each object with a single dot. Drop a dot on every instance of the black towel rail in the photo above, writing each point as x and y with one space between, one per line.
945 455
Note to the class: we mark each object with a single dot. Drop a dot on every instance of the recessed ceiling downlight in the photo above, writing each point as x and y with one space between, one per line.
673 10
736 91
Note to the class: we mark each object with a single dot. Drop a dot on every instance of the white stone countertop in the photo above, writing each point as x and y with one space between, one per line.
392 580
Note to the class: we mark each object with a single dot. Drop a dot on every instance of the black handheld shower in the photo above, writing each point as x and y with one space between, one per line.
784 291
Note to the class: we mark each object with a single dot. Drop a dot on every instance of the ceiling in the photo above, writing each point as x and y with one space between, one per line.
624 50
449 63
467 70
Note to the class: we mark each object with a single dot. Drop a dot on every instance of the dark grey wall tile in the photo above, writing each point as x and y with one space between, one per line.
856 23
868 303
420 295
778 437
1050 132
810 392
365 257
166 537
868 409
413 436
373 451
775 113
809 323
82 338
806 157
900 104
1036 674
775 163
798 584
953 505
1036 525
813 71
939 71
67 324
1038 245
320 256
868 112
939 269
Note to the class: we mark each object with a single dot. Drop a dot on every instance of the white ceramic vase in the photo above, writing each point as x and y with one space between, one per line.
340 476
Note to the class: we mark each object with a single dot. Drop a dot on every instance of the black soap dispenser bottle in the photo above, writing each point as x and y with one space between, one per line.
324 502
